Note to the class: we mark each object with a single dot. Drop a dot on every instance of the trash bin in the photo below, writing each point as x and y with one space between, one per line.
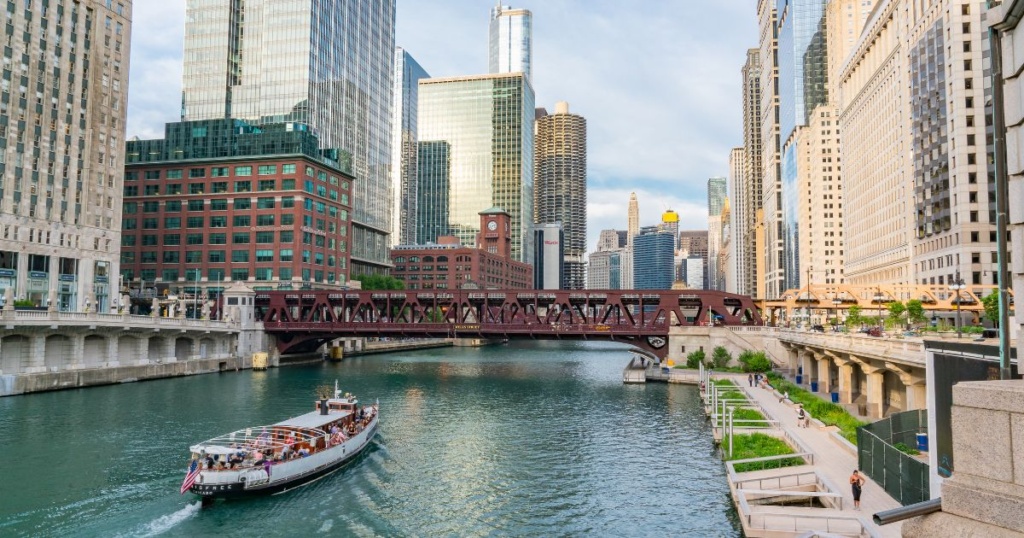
799 379
922 442
814 386
835 397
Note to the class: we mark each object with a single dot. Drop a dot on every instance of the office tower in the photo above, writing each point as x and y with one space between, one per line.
771 186
803 72
716 201
692 271
695 243
611 240
404 150
61 184
433 174
845 19
747 197
604 272
821 200
726 273
511 41
220 201
653 260
485 125
633 220
325 63
670 225
560 185
737 221
549 257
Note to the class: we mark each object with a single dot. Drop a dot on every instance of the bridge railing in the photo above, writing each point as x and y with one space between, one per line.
35 317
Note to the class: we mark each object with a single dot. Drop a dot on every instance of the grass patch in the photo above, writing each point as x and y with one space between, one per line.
747 414
902 447
723 382
731 395
759 445
827 412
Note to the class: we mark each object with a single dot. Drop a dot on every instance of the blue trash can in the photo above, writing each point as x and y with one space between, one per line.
814 386
799 379
922 442
835 397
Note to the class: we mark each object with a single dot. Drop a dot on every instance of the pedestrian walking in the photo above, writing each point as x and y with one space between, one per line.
857 483
801 416
750 380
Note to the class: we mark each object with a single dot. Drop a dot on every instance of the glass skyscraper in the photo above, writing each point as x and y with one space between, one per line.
325 63
803 85
476 135
403 147
511 41
653 259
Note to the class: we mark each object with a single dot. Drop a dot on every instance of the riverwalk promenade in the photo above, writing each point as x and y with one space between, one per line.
831 462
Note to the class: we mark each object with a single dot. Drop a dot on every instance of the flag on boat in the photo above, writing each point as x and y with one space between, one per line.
190 478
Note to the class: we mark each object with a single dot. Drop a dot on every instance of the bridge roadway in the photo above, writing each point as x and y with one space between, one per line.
303 320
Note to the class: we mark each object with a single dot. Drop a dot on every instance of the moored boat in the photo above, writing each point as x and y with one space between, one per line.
282 456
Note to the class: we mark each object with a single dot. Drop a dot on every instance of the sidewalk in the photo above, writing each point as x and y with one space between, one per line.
830 460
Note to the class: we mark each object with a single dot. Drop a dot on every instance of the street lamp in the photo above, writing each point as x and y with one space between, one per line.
958 286
878 299
836 301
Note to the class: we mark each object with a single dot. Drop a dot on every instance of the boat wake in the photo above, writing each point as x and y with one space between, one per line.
165 523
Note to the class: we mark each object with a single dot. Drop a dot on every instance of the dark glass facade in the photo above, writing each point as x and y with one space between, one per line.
653 260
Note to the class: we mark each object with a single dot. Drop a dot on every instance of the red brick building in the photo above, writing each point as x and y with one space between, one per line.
223 201
450 265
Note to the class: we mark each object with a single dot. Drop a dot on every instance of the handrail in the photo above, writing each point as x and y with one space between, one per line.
906 512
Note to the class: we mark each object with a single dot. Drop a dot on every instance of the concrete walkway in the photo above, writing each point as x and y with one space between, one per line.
830 459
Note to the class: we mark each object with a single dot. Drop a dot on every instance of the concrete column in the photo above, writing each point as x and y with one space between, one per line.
845 380
37 354
824 374
807 363
792 358
77 351
113 344
876 396
917 395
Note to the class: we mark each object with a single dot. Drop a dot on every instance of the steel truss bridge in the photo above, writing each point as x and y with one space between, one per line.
303 320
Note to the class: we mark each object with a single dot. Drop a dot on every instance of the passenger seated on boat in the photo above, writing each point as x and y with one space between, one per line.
303 452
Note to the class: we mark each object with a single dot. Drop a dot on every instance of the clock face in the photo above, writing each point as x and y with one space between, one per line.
492 225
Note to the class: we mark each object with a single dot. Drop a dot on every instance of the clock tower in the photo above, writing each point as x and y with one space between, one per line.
495 232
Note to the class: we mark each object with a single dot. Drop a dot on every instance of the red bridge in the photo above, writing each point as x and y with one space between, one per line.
303 320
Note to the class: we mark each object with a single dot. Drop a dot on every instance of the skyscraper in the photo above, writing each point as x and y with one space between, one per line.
737 262
771 185
404 151
670 225
480 130
653 260
633 220
747 197
716 201
511 41
560 185
61 185
326 63
803 86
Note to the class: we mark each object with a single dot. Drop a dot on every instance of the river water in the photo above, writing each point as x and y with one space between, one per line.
538 439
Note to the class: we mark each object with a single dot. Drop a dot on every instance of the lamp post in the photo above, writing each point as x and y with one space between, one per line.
878 299
808 296
958 286
836 301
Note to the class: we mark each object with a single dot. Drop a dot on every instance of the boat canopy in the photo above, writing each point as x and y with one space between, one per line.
259 437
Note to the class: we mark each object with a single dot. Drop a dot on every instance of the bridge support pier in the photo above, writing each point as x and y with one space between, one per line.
807 364
876 390
845 381
824 373
37 358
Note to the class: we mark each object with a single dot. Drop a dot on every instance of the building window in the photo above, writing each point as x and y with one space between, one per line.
172 240
148 257
239 256
215 256
149 240
243 203
264 237
152 174
287 236
171 223
239 274
267 169
197 172
193 256
264 203
264 256
151 207
243 186
150 224
218 239
152 190
240 238
265 220
218 222
219 205
127 240
219 171
171 174
172 206
287 202
242 221
196 222
194 239
286 255
287 219
219 186
267 184
171 256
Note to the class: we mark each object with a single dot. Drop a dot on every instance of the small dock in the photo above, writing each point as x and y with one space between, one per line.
643 370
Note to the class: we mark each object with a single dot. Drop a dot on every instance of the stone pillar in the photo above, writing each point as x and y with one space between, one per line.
985 494
917 395
807 364
876 394
77 357
37 356
913 380
845 380
113 357
824 374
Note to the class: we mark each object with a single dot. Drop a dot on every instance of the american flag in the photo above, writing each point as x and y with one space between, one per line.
190 478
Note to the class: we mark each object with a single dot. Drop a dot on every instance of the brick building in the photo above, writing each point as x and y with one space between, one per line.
448 264
221 201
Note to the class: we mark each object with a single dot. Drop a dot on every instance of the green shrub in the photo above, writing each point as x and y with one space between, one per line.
23 303
827 412
731 395
906 449
720 357
723 382
759 445
694 360
747 414
755 361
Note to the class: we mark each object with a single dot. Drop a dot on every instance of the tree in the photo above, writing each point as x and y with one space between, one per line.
991 304
694 359
853 315
915 311
379 282
755 361
721 358
896 311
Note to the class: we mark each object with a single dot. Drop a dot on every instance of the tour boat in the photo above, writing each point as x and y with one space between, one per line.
282 456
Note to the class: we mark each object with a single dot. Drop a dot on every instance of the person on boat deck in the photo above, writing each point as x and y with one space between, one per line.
303 452
209 461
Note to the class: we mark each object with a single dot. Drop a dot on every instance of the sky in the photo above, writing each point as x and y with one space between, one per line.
660 86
